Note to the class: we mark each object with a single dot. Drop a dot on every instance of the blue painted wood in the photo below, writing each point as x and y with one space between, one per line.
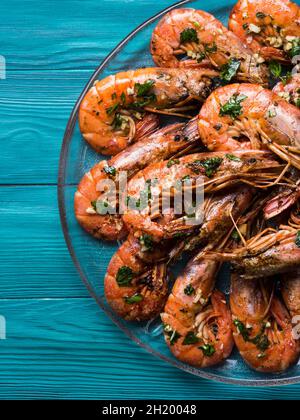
59 344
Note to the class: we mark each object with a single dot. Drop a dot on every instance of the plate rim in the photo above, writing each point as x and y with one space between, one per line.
63 219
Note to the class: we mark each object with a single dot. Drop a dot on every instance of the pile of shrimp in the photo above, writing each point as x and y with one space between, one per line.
234 102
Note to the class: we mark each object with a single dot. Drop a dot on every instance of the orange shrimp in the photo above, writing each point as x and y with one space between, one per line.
262 327
205 41
167 179
289 90
270 28
165 143
136 289
245 116
110 111
197 322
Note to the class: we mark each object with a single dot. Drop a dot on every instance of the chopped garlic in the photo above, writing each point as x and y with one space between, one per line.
90 210
254 28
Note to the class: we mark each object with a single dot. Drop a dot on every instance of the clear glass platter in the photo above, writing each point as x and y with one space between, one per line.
91 256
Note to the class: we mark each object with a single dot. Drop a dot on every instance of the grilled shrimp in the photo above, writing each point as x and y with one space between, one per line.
150 187
270 28
197 322
289 90
110 111
268 253
245 116
205 41
136 289
263 331
162 144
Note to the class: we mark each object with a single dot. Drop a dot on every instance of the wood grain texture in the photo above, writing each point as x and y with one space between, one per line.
67 348
34 260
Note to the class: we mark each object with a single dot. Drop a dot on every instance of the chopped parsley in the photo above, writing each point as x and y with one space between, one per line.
137 298
233 157
189 35
275 69
172 162
146 242
172 334
101 207
233 107
297 102
110 170
229 70
209 166
189 290
261 341
285 79
297 240
245 332
295 50
235 236
143 89
124 276
208 350
112 109
123 98
190 338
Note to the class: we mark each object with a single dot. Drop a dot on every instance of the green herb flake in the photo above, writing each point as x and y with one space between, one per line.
245 332
208 350
272 113
112 109
123 98
235 236
233 107
297 102
233 157
189 35
172 334
190 338
297 240
295 50
275 69
172 162
110 170
189 290
211 165
146 242
285 79
124 276
114 96
245 26
229 70
137 298
143 89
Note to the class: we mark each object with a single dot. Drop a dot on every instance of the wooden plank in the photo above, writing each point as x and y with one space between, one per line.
67 348
34 260
67 34
34 108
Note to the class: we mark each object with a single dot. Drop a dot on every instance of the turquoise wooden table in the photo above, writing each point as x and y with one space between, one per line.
58 343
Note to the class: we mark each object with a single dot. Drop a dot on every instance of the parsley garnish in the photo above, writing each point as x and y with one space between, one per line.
233 157
172 334
229 70
190 338
189 290
208 350
172 162
275 69
124 276
137 298
110 170
210 48
146 241
142 89
188 35
233 107
295 50
110 110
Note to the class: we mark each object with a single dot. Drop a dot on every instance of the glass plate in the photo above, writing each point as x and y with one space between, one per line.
91 256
